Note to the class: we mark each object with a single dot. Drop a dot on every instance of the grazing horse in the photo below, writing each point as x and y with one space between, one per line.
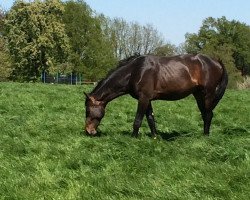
149 78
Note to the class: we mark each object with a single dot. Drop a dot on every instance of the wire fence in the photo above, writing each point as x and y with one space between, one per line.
70 79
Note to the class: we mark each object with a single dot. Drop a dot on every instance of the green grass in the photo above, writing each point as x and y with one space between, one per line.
44 153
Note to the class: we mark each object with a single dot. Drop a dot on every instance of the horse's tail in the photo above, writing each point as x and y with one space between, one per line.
221 87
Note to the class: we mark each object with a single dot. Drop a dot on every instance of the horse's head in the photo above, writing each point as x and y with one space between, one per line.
95 111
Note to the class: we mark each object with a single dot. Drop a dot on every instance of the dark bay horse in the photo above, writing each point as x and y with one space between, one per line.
149 78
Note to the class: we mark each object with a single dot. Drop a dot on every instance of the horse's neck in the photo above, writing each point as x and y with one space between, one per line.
115 84
109 94
111 88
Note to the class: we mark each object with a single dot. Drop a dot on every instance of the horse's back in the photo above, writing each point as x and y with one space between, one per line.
175 77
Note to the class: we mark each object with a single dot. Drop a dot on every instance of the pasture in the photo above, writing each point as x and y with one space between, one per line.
44 153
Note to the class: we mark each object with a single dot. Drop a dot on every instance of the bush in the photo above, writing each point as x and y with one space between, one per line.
245 84
5 61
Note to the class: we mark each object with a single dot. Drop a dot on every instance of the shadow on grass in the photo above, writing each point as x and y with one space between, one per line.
168 136
173 135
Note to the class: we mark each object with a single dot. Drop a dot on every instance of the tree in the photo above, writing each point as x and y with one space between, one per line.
36 38
118 35
5 61
151 39
132 38
2 17
241 43
92 50
165 50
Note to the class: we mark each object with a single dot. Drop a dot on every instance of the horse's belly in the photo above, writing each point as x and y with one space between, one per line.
175 90
171 96
174 83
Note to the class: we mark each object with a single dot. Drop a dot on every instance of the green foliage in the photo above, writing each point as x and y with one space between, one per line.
225 40
45 155
5 59
2 16
165 50
92 51
36 38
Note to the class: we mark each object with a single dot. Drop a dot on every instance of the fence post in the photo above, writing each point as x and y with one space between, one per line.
57 77
44 76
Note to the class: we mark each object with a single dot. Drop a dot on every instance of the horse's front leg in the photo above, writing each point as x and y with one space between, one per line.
141 110
151 120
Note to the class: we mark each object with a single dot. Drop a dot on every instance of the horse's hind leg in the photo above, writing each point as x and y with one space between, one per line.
151 120
208 115
206 105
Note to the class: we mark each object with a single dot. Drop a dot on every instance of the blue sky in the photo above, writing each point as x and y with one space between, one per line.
172 18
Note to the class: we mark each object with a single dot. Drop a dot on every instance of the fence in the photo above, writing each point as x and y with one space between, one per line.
72 79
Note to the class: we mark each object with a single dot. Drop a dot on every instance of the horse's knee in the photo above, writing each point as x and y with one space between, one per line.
137 123
150 117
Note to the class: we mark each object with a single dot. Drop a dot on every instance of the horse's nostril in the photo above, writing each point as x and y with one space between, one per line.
90 131
93 132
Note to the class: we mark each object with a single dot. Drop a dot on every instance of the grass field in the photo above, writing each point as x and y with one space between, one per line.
44 153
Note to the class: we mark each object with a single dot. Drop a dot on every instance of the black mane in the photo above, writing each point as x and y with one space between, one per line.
121 63
127 60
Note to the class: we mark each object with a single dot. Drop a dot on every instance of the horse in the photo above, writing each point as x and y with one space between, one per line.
148 78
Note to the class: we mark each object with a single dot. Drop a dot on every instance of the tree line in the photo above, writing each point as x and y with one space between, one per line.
68 36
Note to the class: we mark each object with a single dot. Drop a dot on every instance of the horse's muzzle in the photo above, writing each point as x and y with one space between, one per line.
90 131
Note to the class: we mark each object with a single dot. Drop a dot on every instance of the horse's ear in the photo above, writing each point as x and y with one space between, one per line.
87 96
92 99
